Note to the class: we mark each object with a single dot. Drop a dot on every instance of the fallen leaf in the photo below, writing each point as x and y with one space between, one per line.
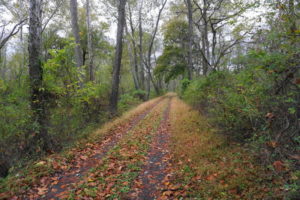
279 166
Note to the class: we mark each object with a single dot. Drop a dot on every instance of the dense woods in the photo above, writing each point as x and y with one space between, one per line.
67 67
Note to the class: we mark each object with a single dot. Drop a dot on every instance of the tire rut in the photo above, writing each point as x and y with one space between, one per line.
149 183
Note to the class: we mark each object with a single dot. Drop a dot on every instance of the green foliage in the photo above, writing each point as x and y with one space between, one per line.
14 111
60 73
173 63
129 100
233 100
71 107
72 111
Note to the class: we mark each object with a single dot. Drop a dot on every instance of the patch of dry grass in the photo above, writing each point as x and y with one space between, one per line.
210 166
109 126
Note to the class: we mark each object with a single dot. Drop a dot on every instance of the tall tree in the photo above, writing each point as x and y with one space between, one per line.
133 48
38 101
118 57
75 30
89 42
190 46
141 66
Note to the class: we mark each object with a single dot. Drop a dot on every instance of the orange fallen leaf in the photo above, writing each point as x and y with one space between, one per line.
279 166
42 191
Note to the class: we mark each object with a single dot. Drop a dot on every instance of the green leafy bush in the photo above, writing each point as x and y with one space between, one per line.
127 101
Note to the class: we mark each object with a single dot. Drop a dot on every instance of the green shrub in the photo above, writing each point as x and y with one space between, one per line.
233 101
127 101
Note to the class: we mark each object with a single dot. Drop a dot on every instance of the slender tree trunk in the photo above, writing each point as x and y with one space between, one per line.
89 42
133 50
148 86
141 67
38 101
205 41
190 46
118 58
133 62
75 30
214 46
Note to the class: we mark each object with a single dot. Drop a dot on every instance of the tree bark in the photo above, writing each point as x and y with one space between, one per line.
89 42
118 58
205 39
133 61
38 101
141 67
133 50
190 45
75 30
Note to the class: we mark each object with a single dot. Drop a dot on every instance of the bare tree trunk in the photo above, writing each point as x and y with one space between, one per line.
89 42
148 86
141 67
213 47
75 30
205 38
133 50
118 58
38 101
133 62
190 46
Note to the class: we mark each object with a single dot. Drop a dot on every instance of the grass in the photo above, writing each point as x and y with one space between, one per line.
212 167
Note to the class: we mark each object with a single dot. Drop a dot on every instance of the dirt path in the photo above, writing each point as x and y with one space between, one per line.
155 170
60 185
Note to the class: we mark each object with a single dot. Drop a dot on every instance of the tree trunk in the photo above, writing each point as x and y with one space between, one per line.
141 67
118 58
75 30
148 86
133 61
89 42
205 41
133 50
190 45
38 101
